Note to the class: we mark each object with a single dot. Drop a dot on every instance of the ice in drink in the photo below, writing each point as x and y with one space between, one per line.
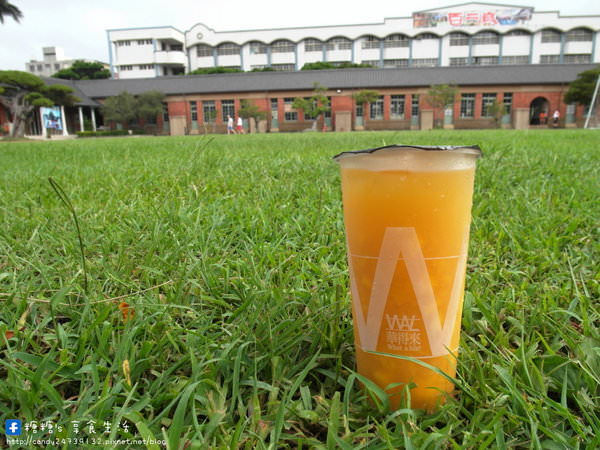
407 214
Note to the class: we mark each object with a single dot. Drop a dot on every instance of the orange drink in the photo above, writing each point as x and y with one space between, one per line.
407 213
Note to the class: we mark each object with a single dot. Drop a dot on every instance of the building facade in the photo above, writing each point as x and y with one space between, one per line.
54 59
515 96
469 34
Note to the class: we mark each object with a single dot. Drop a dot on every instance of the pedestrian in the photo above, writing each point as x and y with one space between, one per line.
240 125
543 118
555 118
230 129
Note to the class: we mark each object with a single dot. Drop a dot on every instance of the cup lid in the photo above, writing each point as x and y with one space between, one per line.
468 149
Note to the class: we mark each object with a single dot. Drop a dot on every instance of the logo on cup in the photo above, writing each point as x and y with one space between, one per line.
13 427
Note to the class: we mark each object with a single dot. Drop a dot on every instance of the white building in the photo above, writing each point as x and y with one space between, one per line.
54 59
458 35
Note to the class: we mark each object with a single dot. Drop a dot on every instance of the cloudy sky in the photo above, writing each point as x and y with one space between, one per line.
79 26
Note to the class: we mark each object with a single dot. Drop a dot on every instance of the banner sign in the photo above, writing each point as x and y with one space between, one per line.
484 17
51 118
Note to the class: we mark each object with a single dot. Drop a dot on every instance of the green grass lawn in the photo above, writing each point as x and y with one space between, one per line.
230 254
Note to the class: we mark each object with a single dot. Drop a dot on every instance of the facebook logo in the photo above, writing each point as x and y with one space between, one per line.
13 427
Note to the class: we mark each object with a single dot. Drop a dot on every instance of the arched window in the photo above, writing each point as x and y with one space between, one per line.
395 40
339 43
518 33
459 39
486 38
258 48
228 48
370 42
283 46
313 45
579 35
204 50
550 35
425 36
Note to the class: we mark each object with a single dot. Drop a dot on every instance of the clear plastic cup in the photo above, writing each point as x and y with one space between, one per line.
407 212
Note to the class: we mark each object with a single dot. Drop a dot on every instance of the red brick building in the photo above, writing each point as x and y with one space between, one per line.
200 104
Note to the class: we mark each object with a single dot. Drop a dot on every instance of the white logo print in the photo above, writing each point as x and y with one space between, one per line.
404 242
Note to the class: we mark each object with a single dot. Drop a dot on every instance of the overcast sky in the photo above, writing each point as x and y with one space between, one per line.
79 26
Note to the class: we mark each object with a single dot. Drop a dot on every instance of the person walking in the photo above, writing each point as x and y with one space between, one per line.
555 118
230 129
240 126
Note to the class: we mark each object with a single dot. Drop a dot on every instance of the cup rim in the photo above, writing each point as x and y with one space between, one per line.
467 149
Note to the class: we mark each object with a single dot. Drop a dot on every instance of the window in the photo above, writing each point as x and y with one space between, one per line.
228 49
370 42
550 36
313 45
579 35
40 67
507 101
487 102
518 33
56 66
126 67
467 106
425 36
209 111
227 109
578 59
283 67
339 63
290 114
372 62
397 107
283 46
485 60
549 59
165 112
376 112
486 38
258 48
424 62
523 59
327 114
32 68
459 39
339 43
194 111
123 43
395 63
414 105
144 42
204 50
459 62
176 47
395 40
146 66
359 110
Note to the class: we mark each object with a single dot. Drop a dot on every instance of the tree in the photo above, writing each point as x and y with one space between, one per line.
582 89
6 9
211 70
22 92
149 105
496 110
82 70
441 96
323 65
314 106
120 108
249 110
365 97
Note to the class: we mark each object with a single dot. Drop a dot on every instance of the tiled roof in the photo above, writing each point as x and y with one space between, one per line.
85 100
337 79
